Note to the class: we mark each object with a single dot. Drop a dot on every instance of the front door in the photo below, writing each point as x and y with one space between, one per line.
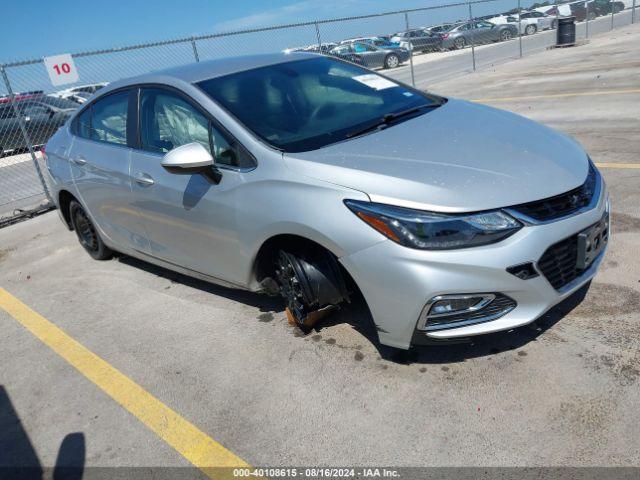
484 32
190 220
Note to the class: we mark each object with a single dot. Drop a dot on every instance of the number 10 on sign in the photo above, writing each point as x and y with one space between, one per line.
61 69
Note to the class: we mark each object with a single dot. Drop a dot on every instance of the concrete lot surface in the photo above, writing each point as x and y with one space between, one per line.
563 391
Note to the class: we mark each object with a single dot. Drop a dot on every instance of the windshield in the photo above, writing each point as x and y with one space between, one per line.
307 104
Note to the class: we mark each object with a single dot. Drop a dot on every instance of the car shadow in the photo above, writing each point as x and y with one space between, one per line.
18 457
261 301
358 316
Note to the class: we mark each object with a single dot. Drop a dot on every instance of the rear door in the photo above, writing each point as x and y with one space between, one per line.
100 159
372 56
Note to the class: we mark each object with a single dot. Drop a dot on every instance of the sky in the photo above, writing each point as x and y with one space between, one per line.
36 28
32 29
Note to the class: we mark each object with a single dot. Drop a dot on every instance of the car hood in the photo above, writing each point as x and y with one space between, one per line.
460 157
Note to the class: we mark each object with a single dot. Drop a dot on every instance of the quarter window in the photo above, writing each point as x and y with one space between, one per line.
109 119
83 124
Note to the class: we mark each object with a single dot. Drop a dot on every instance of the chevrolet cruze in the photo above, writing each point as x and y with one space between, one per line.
313 178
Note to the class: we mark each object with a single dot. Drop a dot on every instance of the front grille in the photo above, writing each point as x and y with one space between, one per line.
499 306
562 205
559 263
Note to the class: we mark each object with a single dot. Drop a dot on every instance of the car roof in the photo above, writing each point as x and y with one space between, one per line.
195 72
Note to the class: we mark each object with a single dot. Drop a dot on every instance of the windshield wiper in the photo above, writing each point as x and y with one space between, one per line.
387 118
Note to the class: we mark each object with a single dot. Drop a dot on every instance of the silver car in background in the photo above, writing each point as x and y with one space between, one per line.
477 32
370 55
309 177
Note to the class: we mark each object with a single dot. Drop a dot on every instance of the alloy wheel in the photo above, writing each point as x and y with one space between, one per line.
392 61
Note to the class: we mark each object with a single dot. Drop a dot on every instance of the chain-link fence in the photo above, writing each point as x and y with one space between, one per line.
417 46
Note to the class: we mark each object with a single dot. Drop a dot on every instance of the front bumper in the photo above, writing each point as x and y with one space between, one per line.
397 281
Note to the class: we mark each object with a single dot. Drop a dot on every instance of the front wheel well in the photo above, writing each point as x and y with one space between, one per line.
358 312
64 201
265 261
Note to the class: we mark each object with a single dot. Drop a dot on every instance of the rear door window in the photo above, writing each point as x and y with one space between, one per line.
83 124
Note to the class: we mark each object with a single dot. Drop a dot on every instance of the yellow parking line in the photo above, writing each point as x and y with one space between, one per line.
558 95
193 444
618 165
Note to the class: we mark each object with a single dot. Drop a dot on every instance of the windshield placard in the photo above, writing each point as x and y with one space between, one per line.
375 81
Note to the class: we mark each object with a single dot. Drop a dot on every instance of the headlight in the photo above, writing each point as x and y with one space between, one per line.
435 231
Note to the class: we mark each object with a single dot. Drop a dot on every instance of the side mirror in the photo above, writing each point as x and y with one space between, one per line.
189 159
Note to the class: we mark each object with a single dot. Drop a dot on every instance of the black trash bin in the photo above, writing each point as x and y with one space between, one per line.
566 31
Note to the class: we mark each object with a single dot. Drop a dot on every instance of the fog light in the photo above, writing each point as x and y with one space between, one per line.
454 305
451 311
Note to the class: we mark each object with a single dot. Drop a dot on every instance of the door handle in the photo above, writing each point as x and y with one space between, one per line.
79 160
144 179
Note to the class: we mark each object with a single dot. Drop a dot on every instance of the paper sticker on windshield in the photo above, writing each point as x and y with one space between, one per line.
375 81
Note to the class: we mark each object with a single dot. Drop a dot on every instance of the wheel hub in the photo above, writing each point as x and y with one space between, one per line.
291 289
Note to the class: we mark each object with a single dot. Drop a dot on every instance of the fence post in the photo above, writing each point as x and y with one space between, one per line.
318 37
413 78
195 50
519 27
473 47
586 25
633 12
612 10
25 134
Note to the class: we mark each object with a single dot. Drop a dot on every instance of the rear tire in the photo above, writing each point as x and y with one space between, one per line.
459 43
87 233
530 29
506 35
391 61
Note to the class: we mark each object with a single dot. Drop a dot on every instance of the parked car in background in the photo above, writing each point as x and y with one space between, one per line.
322 48
42 115
478 32
605 7
543 21
239 172
579 11
79 97
370 56
418 40
376 42
19 96
561 10
530 22
90 89
438 29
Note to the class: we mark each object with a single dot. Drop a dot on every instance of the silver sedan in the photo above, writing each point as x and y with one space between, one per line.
477 32
313 178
